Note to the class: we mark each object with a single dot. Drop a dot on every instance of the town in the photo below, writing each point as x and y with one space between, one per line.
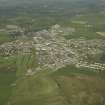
54 51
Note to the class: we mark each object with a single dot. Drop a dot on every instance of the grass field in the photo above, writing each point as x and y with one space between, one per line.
6 79
80 86
4 37
67 86
87 25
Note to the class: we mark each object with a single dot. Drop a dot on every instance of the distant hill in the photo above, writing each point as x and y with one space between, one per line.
30 2
56 7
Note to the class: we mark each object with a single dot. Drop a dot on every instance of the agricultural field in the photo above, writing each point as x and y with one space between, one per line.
87 25
4 37
7 78
67 86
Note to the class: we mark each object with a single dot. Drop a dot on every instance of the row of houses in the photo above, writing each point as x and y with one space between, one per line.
96 66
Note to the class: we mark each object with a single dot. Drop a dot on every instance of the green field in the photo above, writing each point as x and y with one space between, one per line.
4 37
6 80
67 86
